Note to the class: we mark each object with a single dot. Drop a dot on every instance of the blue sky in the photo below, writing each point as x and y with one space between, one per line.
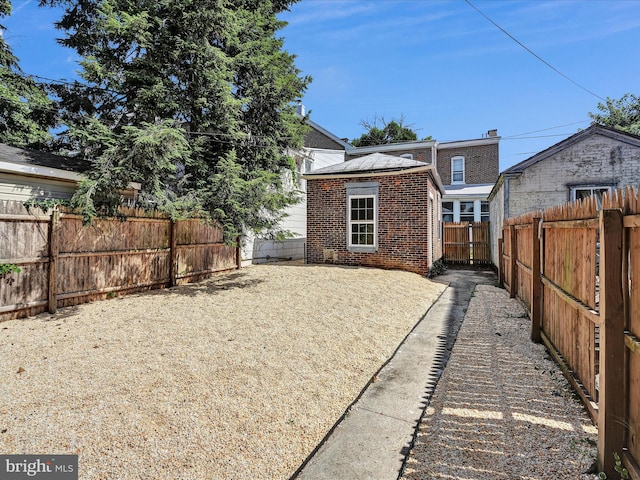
450 72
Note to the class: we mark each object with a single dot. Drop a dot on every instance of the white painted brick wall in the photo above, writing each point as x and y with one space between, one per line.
496 217
595 160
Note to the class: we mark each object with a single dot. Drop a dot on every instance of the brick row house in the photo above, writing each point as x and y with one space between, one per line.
468 170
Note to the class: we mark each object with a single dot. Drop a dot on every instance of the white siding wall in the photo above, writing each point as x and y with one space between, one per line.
256 250
21 188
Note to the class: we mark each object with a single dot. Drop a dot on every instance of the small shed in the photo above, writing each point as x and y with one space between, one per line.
376 211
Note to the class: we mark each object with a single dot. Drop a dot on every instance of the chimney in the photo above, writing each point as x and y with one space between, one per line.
492 133
300 110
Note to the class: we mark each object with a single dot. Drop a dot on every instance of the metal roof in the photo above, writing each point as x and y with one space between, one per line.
376 162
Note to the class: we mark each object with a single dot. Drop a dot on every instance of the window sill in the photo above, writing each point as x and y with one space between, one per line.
362 249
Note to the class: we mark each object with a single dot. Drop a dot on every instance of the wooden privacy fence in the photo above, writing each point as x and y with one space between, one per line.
575 268
64 262
466 243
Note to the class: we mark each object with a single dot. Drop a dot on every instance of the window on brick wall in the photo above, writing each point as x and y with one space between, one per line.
362 216
457 170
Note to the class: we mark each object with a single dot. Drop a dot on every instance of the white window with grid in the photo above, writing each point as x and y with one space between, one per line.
362 217
457 170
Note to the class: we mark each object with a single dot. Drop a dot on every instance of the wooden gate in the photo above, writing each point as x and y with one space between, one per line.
467 243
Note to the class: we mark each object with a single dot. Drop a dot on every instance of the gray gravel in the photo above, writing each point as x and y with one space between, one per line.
502 409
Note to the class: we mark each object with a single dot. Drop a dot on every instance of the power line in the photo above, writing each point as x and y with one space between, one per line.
533 53
538 136
545 129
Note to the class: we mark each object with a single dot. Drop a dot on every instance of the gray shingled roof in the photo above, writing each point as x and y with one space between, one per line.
594 129
42 159
376 162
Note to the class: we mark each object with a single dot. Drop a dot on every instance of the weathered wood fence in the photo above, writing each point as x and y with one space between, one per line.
466 243
577 269
64 262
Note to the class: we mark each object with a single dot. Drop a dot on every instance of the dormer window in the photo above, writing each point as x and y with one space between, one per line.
457 170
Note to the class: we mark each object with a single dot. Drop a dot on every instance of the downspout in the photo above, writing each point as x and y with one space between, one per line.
434 156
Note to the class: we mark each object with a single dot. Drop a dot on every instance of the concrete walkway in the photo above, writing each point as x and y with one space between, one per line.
373 439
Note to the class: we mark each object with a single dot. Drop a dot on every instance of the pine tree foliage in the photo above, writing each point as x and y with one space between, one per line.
26 111
623 114
202 89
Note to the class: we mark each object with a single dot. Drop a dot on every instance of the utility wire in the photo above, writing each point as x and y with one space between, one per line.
545 129
533 53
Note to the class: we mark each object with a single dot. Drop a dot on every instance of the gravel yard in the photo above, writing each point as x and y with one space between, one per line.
237 377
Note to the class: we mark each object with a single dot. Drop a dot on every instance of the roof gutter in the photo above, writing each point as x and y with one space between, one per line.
39 171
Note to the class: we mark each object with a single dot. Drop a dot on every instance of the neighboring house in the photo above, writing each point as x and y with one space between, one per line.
27 174
321 148
378 211
30 174
591 162
468 169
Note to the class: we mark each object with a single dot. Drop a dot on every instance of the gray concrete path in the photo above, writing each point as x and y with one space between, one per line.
374 437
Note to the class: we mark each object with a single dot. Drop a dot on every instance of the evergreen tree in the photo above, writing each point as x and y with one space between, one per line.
623 114
26 112
203 90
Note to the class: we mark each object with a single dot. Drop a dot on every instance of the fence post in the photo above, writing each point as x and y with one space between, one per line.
536 298
611 405
501 262
173 253
54 250
513 263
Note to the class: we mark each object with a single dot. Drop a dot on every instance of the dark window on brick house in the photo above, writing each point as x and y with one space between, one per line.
466 212
447 211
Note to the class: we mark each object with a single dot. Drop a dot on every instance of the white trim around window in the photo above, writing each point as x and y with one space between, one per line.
362 217
583 191
457 170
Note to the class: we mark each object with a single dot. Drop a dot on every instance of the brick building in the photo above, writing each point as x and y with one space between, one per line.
378 211
591 162
468 170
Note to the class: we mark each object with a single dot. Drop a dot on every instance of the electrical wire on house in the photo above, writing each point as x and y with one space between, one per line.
533 53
